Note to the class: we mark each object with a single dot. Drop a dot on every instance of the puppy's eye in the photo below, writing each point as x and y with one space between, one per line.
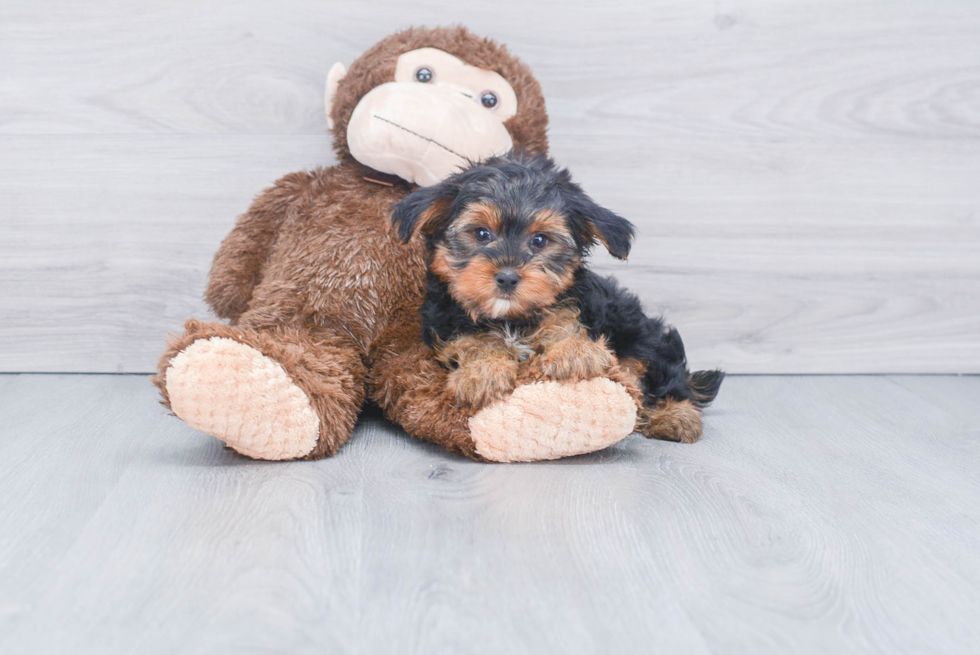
539 241
423 75
483 235
488 99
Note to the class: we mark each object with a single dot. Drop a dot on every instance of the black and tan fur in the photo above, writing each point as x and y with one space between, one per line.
507 286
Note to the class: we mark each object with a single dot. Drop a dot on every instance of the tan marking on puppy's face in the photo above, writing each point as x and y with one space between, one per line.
552 269
539 288
432 215
553 224
479 214
441 265
469 265
475 289
470 276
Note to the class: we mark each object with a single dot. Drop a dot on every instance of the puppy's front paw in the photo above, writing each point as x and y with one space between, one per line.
480 383
671 420
574 358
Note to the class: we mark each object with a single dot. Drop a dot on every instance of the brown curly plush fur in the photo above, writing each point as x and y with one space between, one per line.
314 277
321 364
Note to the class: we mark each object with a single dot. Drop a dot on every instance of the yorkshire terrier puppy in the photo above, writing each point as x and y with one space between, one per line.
507 287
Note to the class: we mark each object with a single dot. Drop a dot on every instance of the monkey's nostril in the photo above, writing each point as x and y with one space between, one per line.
507 280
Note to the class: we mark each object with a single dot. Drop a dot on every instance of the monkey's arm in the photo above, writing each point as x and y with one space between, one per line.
237 266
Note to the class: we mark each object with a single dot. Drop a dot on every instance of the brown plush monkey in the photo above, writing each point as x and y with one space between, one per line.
323 296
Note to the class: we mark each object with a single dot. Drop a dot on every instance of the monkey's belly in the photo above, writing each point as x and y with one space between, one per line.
353 283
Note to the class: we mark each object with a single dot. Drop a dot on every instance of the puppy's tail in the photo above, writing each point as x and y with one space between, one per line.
704 385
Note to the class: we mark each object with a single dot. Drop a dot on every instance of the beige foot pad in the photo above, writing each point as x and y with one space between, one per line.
235 393
549 420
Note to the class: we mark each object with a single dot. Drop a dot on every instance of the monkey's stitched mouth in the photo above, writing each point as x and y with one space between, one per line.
424 138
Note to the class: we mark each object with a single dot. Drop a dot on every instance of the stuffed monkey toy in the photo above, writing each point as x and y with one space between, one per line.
323 297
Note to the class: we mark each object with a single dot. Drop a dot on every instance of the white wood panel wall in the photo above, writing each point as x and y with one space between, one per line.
805 175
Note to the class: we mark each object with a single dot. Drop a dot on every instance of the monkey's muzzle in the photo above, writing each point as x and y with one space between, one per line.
423 133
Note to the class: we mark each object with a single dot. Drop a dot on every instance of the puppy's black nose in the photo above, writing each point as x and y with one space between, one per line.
507 280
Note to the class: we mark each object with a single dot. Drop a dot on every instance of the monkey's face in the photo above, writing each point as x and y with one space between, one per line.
438 115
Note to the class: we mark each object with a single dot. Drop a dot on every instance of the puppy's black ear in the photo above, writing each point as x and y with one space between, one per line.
596 223
612 230
423 209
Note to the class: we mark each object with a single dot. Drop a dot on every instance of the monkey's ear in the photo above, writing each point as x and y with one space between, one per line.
596 223
337 73
423 209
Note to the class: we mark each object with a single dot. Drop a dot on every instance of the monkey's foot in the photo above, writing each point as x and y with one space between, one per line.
235 393
549 420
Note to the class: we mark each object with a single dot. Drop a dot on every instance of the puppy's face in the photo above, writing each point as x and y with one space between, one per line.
505 262
507 236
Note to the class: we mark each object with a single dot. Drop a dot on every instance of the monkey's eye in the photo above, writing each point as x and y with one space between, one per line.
483 235
489 99
423 75
539 241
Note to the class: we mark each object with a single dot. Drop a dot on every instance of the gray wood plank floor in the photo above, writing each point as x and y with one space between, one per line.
819 514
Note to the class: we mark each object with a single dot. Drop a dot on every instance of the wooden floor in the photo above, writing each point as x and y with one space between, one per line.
819 514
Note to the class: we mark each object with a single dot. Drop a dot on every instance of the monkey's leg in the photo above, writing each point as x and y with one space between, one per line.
539 420
276 394
411 387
